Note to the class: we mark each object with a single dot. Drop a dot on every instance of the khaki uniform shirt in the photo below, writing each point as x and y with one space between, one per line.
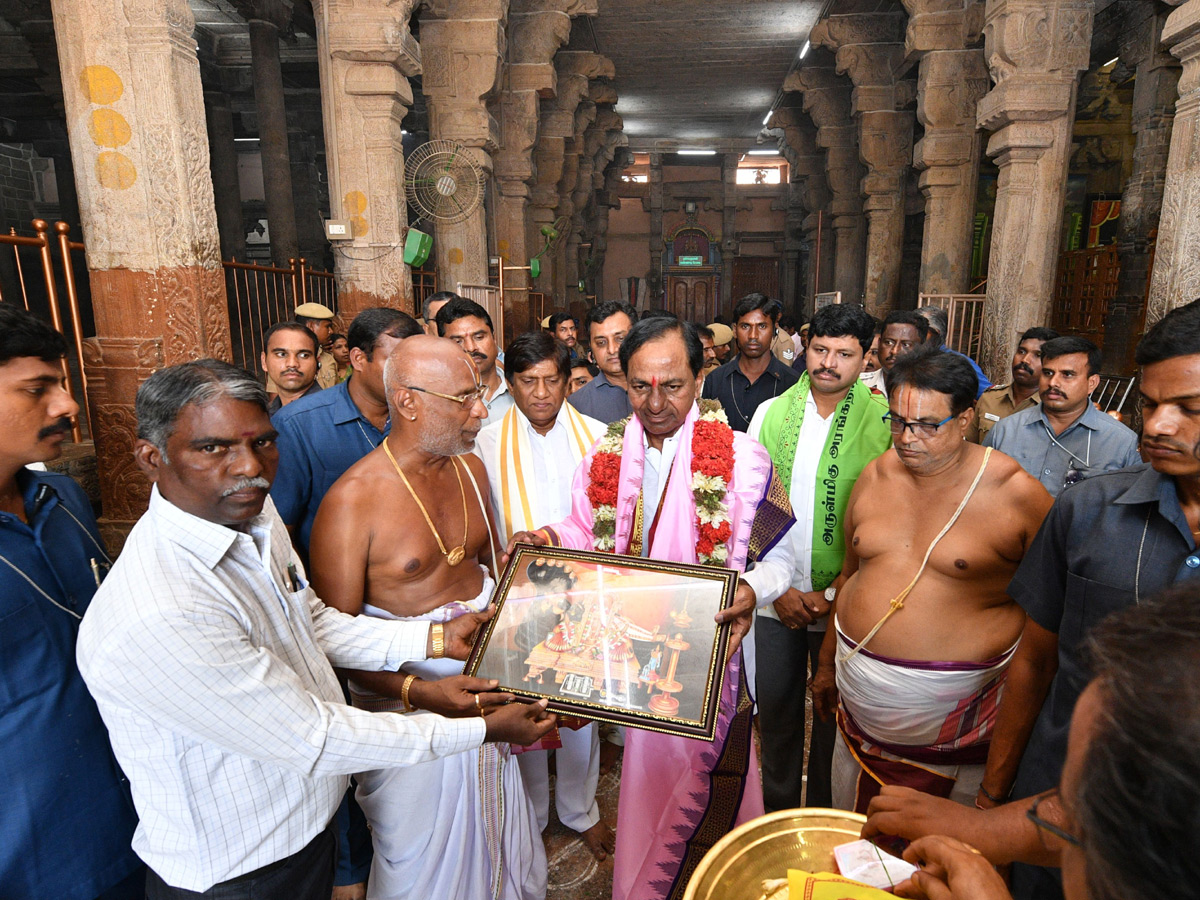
994 404
782 347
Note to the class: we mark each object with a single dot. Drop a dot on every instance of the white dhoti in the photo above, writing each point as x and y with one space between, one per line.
459 828
577 772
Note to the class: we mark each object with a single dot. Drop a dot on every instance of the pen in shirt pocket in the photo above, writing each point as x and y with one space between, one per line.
293 577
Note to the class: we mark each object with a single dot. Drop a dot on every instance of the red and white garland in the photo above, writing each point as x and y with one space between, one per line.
712 469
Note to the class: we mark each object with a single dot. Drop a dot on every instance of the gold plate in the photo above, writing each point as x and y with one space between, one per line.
767 847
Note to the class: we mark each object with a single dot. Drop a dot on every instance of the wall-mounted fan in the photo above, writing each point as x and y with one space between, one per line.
443 181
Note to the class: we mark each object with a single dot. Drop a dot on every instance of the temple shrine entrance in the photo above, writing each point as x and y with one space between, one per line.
691 296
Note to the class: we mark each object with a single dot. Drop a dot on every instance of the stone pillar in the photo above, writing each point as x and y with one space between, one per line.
534 36
462 48
1176 278
135 116
226 188
950 83
807 198
826 98
729 241
655 275
265 19
870 51
1035 50
366 54
1154 91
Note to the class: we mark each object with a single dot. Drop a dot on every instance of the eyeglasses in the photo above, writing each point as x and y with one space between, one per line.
464 400
919 429
1032 815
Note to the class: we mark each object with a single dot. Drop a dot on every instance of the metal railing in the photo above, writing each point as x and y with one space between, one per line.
42 243
965 312
489 297
259 296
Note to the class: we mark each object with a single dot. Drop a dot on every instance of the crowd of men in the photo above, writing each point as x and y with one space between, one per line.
262 696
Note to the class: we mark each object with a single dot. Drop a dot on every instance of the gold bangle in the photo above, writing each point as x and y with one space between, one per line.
404 688
438 638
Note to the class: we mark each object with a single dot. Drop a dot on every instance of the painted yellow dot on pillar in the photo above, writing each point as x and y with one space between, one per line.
108 128
354 203
115 170
455 256
502 246
358 226
101 85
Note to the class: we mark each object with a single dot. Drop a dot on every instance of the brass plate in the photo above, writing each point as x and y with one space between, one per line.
767 847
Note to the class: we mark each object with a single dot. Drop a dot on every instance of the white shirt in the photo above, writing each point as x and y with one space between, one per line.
223 709
499 403
814 432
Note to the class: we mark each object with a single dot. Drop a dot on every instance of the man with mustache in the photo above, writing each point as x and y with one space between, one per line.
1066 439
460 826
67 819
754 375
604 398
289 358
564 327
1002 400
820 433
921 631
468 324
211 660
903 330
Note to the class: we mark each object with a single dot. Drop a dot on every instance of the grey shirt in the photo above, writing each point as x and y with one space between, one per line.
1093 443
602 400
1106 543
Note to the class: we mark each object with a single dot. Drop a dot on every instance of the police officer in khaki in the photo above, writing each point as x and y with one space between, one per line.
1002 400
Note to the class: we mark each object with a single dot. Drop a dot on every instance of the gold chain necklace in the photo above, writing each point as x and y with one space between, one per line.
455 556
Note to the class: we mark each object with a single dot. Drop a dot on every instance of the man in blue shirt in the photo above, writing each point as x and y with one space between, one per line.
604 398
320 437
938 329
65 811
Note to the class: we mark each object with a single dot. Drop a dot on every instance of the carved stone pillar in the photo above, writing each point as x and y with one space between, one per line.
808 200
1035 50
135 116
462 48
826 98
729 241
1154 91
950 83
870 51
1176 279
366 54
534 36
226 187
265 19
655 276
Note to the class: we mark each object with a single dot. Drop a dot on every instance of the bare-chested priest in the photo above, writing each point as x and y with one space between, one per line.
406 534
923 629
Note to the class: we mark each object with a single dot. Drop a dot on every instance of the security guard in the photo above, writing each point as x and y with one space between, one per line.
319 320
1002 400
722 340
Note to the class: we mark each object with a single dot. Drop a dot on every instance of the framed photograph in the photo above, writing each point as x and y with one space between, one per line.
615 638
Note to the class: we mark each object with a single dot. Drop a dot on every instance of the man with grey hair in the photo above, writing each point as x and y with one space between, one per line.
209 657
939 330
425 561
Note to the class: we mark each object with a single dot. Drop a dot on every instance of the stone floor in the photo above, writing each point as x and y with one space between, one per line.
574 872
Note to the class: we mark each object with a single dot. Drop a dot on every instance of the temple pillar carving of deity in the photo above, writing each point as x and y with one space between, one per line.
808 198
1035 50
870 51
826 98
535 33
265 19
366 54
135 117
1155 88
951 80
1176 278
462 49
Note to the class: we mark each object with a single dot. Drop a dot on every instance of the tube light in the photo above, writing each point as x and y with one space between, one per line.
1111 61
243 140
763 152
767 117
804 50
696 152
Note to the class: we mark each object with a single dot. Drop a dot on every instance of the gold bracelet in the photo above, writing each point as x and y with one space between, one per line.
438 638
404 688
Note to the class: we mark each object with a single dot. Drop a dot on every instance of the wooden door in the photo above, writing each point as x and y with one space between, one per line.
755 274
691 297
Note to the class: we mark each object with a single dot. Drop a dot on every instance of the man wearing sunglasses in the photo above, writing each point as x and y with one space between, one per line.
406 533
922 630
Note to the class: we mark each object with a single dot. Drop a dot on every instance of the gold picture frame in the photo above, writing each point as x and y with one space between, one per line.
617 639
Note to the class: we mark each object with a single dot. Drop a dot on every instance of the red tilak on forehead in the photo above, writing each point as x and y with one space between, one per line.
248 434
653 381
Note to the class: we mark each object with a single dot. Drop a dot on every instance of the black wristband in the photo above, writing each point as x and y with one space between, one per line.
998 801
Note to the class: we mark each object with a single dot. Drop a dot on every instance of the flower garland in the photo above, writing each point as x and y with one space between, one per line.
712 469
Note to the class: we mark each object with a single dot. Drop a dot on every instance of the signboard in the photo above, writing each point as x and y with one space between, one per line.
827 298
690 261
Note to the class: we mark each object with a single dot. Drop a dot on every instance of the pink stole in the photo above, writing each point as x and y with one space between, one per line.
679 795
